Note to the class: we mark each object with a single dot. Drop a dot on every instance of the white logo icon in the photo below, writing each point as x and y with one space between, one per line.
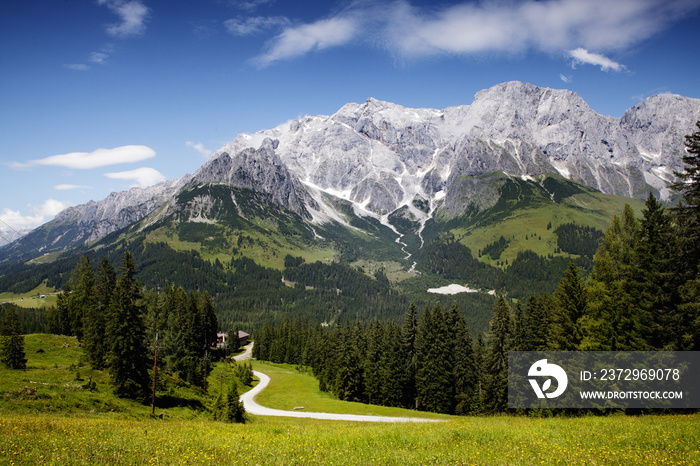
542 368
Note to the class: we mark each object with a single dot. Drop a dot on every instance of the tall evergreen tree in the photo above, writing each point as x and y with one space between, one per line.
617 318
687 215
129 355
499 343
463 368
372 375
408 357
570 306
656 250
81 301
433 371
478 404
12 353
391 366
538 323
96 339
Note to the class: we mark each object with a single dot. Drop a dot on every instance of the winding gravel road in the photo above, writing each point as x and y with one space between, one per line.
253 408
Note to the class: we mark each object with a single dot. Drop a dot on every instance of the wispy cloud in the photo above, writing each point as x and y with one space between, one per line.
489 26
255 25
95 159
199 147
99 58
68 187
132 14
583 56
565 78
250 4
143 177
295 41
41 214
77 66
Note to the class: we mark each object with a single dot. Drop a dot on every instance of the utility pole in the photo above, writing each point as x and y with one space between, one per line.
206 369
155 369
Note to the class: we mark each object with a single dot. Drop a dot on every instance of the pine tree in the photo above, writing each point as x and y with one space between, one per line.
656 250
129 355
463 366
538 323
570 306
616 317
408 358
81 301
391 366
234 412
12 353
433 371
687 216
372 375
96 339
478 404
499 343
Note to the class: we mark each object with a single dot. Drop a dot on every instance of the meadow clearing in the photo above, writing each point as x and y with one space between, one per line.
59 423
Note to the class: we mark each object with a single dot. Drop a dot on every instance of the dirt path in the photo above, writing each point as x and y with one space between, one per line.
248 354
253 408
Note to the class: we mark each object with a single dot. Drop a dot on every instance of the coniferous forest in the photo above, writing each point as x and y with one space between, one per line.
643 293
636 287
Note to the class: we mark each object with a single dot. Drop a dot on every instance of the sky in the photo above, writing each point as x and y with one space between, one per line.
105 95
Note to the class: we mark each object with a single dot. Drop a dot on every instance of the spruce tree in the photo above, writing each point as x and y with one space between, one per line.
462 361
433 371
128 359
372 375
408 358
656 250
499 343
12 353
687 216
391 366
81 301
617 316
570 307
97 341
234 411
538 323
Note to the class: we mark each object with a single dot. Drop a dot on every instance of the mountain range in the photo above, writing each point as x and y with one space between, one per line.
380 167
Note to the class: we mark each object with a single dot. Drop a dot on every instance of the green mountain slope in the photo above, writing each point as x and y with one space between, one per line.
263 263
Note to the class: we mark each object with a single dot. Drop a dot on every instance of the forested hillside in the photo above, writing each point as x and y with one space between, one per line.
643 294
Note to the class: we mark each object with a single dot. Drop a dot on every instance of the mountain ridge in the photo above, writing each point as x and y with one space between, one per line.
387 160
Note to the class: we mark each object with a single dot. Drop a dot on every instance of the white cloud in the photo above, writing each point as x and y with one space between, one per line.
566 79
250 4
133 15
42 214
488 26
254 25
295 41
99 58
581 55
67 187
199 147
144 176
77 66
95 159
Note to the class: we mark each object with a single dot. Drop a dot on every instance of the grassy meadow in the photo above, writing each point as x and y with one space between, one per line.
47 417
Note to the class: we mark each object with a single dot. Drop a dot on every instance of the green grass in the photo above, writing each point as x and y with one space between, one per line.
55 380
61 423
290 388
597 212
32 299
46 439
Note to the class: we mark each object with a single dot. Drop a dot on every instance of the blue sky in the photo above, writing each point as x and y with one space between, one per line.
102 95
